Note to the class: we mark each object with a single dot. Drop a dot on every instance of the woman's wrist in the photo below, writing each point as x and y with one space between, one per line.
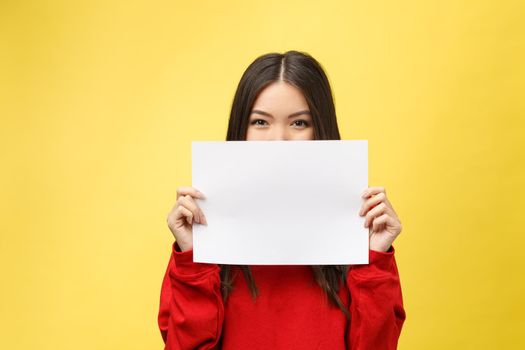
380 248
184 246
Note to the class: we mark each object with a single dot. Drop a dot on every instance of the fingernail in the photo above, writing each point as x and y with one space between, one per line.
365 194
201 194
205 222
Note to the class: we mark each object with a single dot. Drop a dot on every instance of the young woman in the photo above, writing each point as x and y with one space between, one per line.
208 306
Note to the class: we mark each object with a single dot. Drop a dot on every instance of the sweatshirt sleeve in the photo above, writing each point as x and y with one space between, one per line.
377 313
191 311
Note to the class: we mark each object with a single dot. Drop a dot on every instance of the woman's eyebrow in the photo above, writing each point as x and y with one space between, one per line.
257 111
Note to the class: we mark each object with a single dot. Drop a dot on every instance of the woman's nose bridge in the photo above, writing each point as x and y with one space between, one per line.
279 133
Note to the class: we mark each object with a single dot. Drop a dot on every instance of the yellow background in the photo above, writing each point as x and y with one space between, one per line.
100 100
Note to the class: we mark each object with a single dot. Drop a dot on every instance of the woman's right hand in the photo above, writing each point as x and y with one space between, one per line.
183 214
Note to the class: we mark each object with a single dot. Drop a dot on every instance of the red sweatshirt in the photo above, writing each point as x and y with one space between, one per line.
290 312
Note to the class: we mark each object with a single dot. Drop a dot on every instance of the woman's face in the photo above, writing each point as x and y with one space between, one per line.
280 112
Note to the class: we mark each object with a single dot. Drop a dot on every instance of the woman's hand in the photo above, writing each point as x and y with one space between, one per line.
381 219
184 213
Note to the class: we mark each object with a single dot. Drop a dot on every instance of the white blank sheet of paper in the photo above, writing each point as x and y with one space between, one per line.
281 202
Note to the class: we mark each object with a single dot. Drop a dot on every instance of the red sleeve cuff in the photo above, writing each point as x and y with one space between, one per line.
378 263
381 259
184 265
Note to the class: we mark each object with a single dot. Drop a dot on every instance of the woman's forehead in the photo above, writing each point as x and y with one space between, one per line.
280 97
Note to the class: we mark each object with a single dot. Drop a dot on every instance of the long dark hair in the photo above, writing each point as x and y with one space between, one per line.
305 73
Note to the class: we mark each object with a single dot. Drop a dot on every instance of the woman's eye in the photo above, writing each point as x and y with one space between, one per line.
255 122
261 122
301 122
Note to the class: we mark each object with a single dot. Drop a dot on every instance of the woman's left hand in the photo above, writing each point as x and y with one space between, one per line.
381 219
